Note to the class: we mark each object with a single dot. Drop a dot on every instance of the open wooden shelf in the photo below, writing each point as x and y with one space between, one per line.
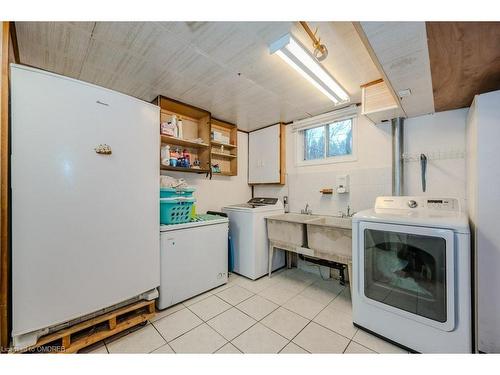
224 174
228 162
181 169
227 145
195 124
223 155
182 142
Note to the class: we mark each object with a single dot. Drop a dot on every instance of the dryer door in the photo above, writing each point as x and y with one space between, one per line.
409 271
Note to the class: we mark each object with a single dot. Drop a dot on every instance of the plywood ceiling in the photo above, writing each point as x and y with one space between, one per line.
224 67
464 60
401 48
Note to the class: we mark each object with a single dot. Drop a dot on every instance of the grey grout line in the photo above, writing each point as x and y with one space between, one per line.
176 337
239 309
260 321
256 321
161 346
243 300
202 319
156 329
310 320
206 321
364 346
349 343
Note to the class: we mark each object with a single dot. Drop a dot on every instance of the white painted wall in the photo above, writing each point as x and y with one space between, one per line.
370 174
444 133
221 190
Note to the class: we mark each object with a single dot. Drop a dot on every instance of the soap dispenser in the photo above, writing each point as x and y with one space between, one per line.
342 184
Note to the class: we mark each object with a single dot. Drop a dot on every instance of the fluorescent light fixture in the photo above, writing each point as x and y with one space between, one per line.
299 58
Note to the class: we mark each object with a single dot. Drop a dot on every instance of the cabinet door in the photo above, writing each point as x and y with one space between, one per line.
265 155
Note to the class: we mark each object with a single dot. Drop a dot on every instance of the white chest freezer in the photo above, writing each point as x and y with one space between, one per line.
193 258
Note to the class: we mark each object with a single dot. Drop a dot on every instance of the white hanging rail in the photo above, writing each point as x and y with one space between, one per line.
434 155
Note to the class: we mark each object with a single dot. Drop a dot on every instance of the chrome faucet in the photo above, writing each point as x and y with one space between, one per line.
349 213
306 210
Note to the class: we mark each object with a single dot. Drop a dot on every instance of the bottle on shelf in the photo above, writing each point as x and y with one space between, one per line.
173 158
180 132
165 155
174 125
187 158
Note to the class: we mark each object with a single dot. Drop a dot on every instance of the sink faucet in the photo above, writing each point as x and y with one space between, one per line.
349 213
306 210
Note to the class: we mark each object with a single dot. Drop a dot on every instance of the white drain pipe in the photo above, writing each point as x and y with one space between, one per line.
397 156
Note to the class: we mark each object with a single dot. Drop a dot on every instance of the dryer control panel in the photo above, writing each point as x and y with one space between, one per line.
418 203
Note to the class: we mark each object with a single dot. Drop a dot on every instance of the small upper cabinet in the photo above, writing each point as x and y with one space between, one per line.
266 155
185 136
377 102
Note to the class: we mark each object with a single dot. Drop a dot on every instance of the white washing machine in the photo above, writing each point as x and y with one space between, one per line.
412 273
247 228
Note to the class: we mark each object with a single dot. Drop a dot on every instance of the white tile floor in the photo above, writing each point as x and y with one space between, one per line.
292 312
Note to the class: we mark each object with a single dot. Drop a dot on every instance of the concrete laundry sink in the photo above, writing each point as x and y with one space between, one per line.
331 238
332 221
318 236
326 234
289 229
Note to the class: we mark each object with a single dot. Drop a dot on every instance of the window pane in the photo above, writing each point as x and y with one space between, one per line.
314 143
340 138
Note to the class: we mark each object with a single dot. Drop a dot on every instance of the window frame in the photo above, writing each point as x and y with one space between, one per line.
300 143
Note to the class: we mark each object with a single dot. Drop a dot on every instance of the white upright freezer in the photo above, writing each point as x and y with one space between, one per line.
85 212
483 204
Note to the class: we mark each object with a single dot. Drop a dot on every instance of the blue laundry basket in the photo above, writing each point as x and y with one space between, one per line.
168 192
176 210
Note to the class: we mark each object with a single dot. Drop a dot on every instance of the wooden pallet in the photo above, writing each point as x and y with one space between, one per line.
81 335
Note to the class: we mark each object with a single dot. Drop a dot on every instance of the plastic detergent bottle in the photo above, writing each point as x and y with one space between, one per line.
173 158
187 157
165 155
174 125
180 132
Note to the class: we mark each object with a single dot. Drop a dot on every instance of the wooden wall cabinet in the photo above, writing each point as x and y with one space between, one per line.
377 102
266 155
195 124
224 152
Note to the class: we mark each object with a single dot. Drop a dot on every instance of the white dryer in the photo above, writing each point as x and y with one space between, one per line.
247 228
412 273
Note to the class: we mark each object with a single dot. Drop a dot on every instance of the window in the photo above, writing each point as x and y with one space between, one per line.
328 141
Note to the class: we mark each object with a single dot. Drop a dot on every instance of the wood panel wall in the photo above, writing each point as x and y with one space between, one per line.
465 61
8 53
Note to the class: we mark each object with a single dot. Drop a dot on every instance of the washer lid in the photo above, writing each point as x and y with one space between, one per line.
257 204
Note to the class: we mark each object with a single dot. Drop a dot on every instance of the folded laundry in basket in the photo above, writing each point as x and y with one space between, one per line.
167 181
